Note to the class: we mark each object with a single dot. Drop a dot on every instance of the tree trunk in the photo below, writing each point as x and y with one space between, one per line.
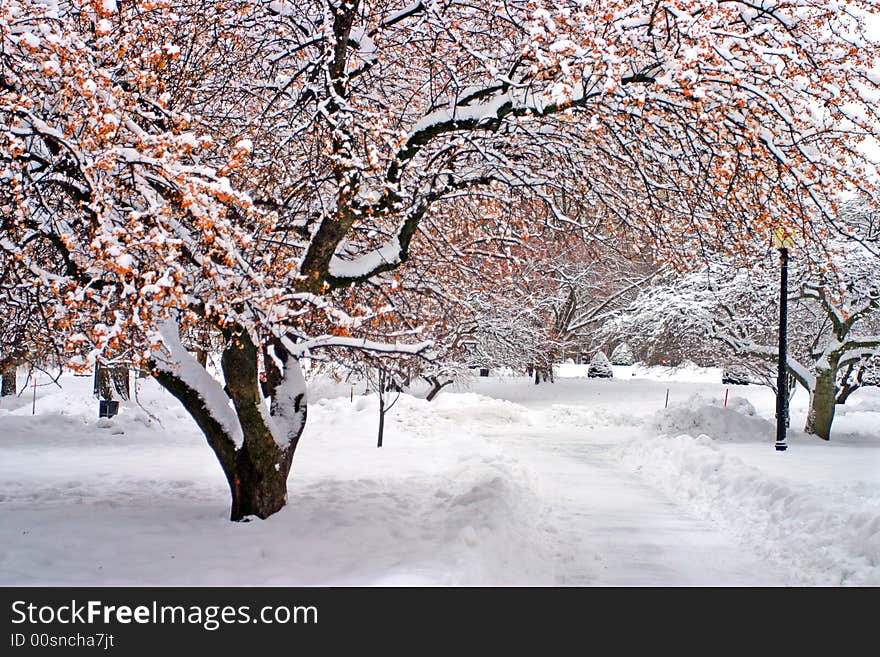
112 383
543 374
822 404
258 481
436 387
256 464
9 386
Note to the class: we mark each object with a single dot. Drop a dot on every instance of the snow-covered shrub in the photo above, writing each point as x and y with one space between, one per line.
868 374
622 355
600 368
735 376
699 415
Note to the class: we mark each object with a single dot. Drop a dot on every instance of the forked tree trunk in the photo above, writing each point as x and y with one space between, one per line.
436 387
823 399
9 382
256 464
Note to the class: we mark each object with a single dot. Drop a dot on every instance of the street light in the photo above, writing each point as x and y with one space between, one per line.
783 242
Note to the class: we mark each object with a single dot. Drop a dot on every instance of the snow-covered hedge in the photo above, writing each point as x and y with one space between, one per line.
600 368
622 355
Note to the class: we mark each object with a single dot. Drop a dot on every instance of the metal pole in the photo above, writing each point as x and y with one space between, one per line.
782 374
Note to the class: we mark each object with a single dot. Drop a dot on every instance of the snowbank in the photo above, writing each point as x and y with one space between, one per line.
828 535
133 502
687 372
702 415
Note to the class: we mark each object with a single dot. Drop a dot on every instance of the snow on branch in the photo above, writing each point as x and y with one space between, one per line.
299 349
388 254
178 362
289 399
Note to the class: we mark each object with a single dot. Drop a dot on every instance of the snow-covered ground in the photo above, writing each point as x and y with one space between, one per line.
580 482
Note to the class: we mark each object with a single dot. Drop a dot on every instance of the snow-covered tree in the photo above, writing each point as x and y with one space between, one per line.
622 355
547 300
600 368
868 374
508 330
263 168
591 282
834 315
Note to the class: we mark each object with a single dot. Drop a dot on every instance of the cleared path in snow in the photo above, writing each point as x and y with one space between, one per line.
611 528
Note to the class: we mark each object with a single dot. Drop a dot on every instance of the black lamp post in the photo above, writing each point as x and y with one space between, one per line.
782 242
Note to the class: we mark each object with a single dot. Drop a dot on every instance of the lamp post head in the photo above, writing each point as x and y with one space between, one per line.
782 238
